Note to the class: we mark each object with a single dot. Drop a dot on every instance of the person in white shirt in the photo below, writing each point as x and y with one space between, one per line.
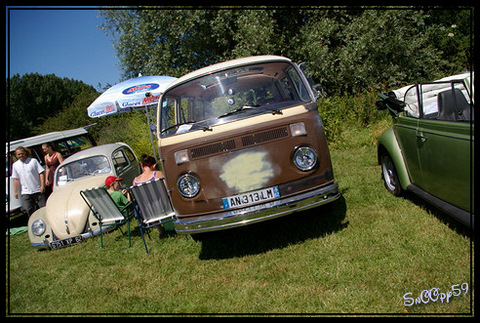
28 174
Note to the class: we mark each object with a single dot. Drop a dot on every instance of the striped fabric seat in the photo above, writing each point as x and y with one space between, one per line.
105 210
153 205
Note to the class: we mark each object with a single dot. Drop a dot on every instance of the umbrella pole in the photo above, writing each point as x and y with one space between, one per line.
150 132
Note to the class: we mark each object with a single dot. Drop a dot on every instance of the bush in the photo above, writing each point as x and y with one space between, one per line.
130 128
352 119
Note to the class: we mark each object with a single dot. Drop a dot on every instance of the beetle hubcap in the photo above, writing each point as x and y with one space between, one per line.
389 173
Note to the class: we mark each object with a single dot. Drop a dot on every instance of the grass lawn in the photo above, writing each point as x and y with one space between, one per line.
358 255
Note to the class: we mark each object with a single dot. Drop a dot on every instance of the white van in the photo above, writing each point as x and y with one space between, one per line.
65 142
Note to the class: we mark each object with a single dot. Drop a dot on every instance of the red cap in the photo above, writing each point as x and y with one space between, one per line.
110 179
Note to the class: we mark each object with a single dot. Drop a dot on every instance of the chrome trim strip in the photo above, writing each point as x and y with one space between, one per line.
257 213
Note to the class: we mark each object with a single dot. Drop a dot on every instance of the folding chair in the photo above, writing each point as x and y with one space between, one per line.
152 207
106 211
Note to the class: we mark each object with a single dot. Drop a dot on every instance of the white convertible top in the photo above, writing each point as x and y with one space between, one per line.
400 93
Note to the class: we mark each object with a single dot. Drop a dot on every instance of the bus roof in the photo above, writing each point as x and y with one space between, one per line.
46 137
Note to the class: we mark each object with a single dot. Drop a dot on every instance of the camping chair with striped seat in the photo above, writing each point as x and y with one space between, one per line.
106 211
152 206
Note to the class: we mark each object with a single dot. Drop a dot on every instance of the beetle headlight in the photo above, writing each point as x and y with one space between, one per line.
188 185
305 158
38 227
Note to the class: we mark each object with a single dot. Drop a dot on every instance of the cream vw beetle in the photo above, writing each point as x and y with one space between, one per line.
66 219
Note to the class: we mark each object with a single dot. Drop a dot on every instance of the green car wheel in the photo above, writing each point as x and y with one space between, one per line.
389 175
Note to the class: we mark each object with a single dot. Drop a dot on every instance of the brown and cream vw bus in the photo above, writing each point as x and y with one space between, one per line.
242 142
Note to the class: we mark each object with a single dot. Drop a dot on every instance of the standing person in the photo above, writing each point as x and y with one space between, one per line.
52 160
148 171
28 174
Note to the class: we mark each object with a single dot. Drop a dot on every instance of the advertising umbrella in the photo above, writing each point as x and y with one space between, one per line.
137 93
134 94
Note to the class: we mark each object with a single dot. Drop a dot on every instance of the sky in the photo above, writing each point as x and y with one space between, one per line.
66 42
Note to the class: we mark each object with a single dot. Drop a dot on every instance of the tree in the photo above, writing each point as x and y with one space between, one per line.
174 42
33 98
72 116
454 36
383 48
348 50
160 42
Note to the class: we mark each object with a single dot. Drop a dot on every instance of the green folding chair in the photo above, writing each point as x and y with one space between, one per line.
106 211
152 206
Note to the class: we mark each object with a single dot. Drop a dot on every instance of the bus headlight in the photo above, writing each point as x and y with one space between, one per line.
188 185
305 158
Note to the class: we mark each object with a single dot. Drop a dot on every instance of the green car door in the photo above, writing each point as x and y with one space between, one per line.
405 129
445 147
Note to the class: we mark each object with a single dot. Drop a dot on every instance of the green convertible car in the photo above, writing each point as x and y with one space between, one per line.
430 148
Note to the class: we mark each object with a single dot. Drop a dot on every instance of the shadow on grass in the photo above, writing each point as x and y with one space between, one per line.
274 234
151 234
17 220
448 220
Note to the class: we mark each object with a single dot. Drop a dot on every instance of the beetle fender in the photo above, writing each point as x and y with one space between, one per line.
38 241
388 142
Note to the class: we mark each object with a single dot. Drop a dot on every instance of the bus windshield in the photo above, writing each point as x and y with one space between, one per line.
230 95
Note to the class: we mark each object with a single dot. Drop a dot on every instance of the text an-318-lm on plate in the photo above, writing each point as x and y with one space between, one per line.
250 198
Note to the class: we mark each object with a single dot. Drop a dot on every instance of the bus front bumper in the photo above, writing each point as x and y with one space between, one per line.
257 213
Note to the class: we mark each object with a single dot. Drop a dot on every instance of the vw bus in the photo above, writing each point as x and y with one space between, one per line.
242 142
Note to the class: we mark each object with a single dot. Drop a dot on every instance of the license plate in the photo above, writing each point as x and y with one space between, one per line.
65 242
250 198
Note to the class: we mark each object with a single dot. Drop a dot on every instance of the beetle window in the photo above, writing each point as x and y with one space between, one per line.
412 106
447 101
119 160
83 167
130 154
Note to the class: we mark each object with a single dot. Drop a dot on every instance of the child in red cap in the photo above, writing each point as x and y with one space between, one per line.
118 195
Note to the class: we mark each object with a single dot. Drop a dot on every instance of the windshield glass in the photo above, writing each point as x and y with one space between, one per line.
230 95
83 167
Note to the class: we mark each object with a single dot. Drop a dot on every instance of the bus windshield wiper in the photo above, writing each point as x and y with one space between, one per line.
241 109
247 107
176 125
204 128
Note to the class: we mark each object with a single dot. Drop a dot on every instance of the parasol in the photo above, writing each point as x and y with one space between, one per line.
137 93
